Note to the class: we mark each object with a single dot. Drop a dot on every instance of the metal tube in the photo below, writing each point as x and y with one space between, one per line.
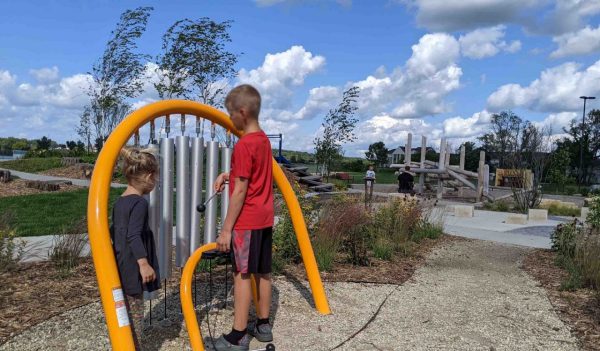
210 216
197 166
165 241
154 210
423 155
225 167
183 201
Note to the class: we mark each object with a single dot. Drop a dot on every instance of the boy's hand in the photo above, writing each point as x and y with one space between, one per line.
224 241
220 182
146 271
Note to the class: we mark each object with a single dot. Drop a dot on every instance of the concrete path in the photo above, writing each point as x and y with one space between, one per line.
470 295
489 225
79 182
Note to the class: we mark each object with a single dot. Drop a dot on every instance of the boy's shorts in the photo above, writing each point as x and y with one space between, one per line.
251 250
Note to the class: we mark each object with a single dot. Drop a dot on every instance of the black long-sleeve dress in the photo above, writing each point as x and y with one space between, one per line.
132 240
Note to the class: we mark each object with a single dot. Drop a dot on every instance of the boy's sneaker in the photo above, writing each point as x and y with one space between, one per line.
263 332
221 344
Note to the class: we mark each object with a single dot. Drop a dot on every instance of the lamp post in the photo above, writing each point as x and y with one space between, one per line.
585 99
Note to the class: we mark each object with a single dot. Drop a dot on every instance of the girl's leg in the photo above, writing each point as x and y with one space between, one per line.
135 309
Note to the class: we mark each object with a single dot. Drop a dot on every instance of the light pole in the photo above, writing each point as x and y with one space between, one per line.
585 99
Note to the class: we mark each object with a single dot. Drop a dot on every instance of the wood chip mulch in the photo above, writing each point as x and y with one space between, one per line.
71 172
17 187
35 292
579 309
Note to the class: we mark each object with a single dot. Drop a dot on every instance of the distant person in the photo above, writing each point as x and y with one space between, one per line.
370 173
405 181
132 238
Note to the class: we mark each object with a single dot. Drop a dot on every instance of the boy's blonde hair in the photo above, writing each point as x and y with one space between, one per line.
137 163
246 96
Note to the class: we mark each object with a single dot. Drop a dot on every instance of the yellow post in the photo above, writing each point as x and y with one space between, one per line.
107 275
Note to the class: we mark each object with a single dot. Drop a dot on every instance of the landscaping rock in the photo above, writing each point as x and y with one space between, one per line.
537 215
516 218
465 211
5 176
584 213
42 185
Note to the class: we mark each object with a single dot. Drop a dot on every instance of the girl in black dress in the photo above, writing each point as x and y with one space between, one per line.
132 238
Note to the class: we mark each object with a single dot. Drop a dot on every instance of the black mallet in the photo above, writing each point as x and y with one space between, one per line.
202 206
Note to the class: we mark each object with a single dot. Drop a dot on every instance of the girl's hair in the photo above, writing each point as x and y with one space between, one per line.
137 163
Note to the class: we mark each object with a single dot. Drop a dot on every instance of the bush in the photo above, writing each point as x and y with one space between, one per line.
587 256
593 217
12 249
382 249
564 239
561 210
66 252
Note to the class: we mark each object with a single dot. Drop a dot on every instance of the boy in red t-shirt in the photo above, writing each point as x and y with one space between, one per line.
247 228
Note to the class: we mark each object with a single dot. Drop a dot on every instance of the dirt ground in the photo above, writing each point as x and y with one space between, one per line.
17 187
36 292
579 309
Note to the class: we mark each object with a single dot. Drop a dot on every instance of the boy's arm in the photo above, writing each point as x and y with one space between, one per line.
233 211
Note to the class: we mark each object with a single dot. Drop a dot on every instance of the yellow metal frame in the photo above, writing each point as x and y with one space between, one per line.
97 213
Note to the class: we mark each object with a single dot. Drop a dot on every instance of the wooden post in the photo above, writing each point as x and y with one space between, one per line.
441 166
423 153
480 176
408 150
486 179
448 153
462 157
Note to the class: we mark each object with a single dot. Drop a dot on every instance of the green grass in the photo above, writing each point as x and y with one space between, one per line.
384 176
564 189
32 165
558 210
50 213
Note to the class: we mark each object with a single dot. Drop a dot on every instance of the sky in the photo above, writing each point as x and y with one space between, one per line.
436 68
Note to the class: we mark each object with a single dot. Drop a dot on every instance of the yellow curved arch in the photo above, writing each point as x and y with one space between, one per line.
97 212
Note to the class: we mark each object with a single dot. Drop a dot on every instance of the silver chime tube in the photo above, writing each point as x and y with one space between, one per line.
165 242
183 201
154 211
225 167
197 166
210 216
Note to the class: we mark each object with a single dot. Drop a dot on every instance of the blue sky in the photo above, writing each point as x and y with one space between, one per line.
431 67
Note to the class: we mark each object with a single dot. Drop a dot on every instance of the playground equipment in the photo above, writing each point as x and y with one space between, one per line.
444 171
189 247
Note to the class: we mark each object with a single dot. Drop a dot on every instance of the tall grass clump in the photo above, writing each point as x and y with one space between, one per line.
12 248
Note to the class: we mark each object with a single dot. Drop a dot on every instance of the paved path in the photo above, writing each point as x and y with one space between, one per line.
79 182
470 295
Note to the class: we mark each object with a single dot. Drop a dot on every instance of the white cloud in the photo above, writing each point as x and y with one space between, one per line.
584 41
486 42
280 74
458 127
557 121
444 15
319 101
45 75
557 89
567 16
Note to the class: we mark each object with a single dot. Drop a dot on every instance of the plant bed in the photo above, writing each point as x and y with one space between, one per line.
580 309
18 187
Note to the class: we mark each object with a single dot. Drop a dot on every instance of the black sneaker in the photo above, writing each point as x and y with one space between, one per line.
262 333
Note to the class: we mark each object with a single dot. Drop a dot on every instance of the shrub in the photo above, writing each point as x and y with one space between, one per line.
587 256
342 225
382 249
561 210
593 217
12 248
564 239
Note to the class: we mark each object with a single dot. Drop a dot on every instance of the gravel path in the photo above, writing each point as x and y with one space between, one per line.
470 295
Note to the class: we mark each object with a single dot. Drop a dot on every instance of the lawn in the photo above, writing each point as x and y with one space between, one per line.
49 213
32 165
384 176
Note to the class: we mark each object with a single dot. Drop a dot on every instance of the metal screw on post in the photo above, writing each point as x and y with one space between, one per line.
581 143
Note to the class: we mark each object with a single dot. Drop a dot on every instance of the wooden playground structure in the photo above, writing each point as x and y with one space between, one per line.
443 171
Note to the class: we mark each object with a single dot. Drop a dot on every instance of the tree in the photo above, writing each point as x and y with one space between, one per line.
502 140
195 63
71 144
559 167
44 143
471 156
338 128
590 142
118 75
377 153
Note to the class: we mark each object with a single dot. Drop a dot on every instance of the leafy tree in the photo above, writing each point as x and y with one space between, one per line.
589 137
118 75
377 153
338 128
471 156
85 127
44 143
71 144
195 63
503 139
559 167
